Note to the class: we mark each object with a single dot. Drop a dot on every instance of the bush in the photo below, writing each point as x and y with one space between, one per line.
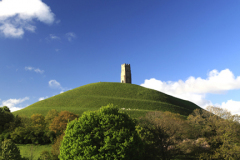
105 134
7 136
9 150
45 155
55 147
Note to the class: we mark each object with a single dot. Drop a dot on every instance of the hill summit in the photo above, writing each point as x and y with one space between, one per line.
134 99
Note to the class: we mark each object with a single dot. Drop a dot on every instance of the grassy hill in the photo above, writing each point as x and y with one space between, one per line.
138 100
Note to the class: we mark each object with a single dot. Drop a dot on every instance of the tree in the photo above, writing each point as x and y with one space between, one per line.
190 148
220 129
38 121
9 150
60 122
56 147
32 130
104 134
5 117
6 109
160 131
23 135
16 123
50 116
146 135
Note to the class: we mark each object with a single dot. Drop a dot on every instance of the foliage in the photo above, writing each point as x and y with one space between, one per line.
221 130
149 151
92 96
31 135
14 124
104 134
6 109
32 130
60 122
38 121
9 150
160 131
212 134
50 116
193 148
45 155
5 118
56 147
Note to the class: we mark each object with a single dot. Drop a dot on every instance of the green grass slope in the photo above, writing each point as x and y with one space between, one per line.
136 100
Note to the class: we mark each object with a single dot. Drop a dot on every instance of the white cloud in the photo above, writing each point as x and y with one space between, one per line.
9 30
37 70
16 16
195 89
54 84
231 105
11 103
13 109
28 68
42 98
217 82
70 36
53 37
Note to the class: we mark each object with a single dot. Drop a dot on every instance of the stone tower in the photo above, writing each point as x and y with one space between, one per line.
126 73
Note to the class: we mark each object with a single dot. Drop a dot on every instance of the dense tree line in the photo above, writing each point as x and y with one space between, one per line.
205 134
34 130
213 133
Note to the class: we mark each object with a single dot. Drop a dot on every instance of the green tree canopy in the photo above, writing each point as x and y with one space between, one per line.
60 122
9 150
5 117
221 130
160 131
106 134
50 116
38 121
5 108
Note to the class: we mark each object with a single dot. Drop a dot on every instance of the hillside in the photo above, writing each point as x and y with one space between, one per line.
140 100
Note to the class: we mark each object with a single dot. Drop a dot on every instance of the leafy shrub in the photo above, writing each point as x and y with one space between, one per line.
56 146
105 134
9 151
45 155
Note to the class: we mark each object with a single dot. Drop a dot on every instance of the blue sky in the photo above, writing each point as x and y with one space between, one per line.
189 49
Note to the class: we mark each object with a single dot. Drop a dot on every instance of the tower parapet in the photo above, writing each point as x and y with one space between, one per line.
126 73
